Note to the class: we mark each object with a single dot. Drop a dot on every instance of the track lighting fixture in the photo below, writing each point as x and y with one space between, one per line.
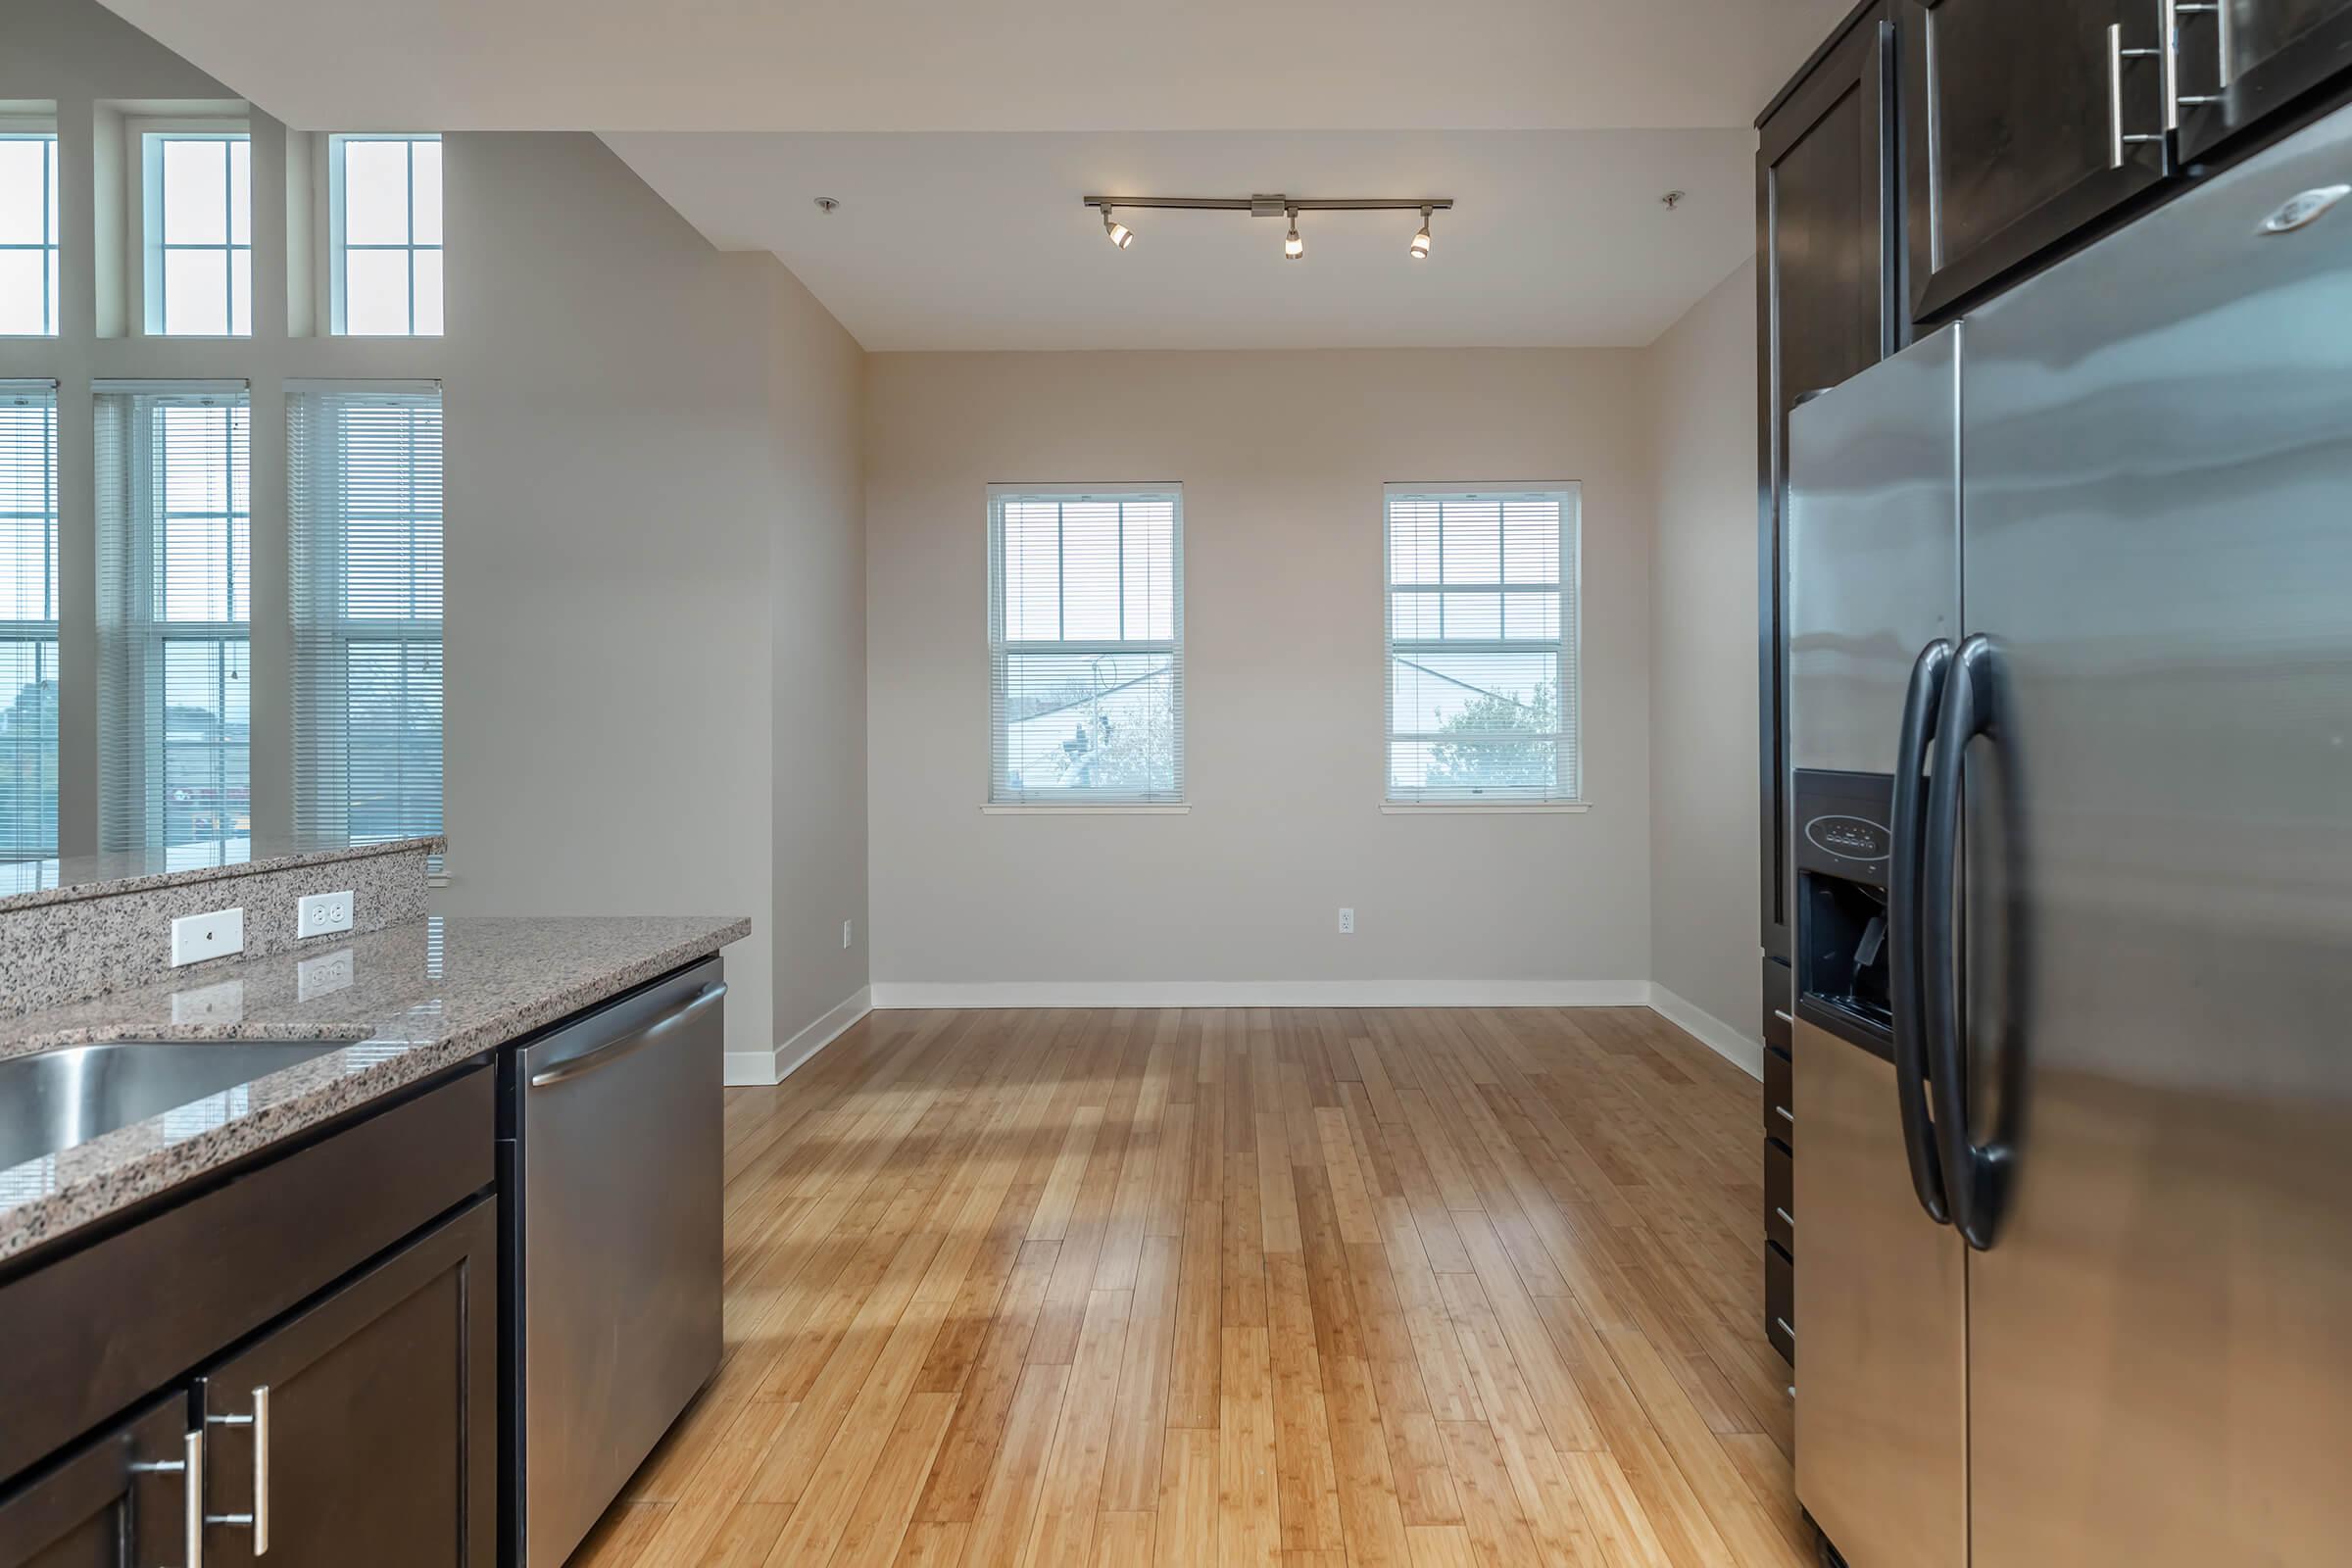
1293 248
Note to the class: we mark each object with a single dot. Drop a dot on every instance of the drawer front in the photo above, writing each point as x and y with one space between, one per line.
1779 1196
1779 1302
129 1313
1780 1101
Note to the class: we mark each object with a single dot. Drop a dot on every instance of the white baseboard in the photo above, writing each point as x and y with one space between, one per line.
1733 1046
1262 994
744 1068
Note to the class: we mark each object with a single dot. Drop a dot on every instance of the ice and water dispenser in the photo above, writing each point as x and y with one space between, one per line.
1843 848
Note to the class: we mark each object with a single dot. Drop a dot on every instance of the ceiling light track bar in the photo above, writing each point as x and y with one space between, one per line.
1280 204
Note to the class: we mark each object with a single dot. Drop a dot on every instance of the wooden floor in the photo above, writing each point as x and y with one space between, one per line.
1299 1289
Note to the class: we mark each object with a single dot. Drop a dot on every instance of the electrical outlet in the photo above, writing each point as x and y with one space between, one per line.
318 977
845 935
221 1003
1346 922
198 937
322 914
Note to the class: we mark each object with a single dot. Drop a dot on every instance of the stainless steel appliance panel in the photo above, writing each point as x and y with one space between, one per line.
2159 885
1874 573
619 1149
1882 1423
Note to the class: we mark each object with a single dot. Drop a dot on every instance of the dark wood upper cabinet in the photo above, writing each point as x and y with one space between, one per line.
379 1445
1824 225
119 1500
2243 61
2022 121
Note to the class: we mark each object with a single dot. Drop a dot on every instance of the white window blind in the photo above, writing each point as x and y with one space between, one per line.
1086 644
384 213
174 613
1483 695
364 499
27 620
27 233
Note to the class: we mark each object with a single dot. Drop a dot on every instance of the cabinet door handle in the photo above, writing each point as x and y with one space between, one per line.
189 1467
2220 12
1785 1114
1792 1333
1786 1019
1787 1219
2116 54
257 1521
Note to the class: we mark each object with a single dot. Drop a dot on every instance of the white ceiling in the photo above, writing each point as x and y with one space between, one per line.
980 241
958 136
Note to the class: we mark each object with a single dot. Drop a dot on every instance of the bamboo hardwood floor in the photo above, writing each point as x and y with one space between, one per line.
1261 1288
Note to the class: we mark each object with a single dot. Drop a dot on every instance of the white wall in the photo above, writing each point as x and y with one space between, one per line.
654 506
1702 650
1282 457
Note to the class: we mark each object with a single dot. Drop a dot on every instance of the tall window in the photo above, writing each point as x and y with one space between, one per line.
199 198
366 507
176 612
27 620
1086 644
27 233
385 216
1481 646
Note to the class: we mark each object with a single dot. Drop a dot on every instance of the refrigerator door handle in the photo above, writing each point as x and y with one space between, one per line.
1906 955
1968 712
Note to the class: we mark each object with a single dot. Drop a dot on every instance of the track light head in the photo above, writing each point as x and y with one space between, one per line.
1116 232
1293 247
1420 246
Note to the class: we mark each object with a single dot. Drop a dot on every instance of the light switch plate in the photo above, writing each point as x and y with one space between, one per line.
322 914
198 937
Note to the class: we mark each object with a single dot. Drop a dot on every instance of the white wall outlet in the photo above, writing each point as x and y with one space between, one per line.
198 937
845 935
327 972
221 1003
322 914
1346 922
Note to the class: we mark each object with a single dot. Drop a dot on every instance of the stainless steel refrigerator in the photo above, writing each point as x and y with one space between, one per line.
2070 654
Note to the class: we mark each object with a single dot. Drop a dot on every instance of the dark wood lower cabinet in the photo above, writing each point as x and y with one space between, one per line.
113 1502
376 1443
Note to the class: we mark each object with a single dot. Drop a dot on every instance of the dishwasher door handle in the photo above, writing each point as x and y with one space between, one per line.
605 1054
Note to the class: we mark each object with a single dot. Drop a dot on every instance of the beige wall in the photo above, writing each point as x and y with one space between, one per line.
1282 457
1702 652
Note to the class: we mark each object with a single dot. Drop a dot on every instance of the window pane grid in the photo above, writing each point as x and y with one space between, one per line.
1086 647
202 208
387 249
1482 677
28 621
28 234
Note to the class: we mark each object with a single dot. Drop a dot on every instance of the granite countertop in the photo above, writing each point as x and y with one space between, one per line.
421 996
25 884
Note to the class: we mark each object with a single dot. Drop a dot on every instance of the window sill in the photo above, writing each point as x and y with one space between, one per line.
1107 809
1482 808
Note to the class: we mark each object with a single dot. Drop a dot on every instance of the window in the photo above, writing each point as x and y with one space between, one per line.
1085 645
175 585
28 233
1481 646
199 198
364 499
27 620
384 208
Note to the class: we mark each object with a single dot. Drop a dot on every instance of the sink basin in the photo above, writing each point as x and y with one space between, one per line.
52 1100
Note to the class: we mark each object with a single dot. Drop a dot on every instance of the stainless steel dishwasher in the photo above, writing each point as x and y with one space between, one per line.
610 1134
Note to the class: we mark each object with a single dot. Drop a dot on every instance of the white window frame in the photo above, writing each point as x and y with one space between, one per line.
41 127
149 136
338 248
39 634
996 798
1569 494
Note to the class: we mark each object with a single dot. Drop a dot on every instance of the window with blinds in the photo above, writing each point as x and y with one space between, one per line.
1483 696
365 503
1085 645
174 613
27 620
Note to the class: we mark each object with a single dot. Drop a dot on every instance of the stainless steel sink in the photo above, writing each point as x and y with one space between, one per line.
53 1099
